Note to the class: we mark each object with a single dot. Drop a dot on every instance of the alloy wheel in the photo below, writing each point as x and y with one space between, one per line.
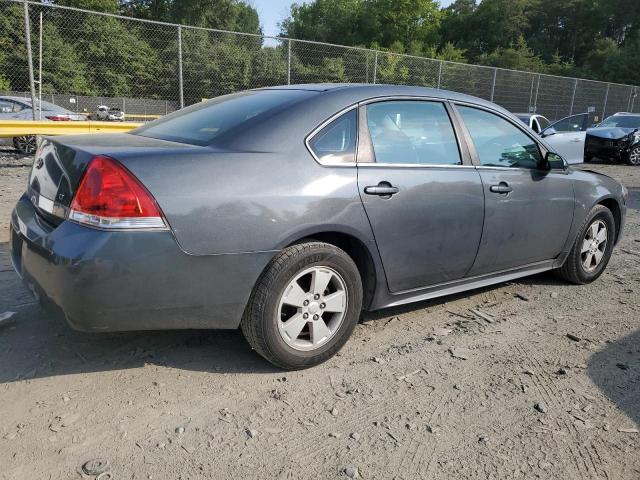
594 246
25 145
312 308
634 156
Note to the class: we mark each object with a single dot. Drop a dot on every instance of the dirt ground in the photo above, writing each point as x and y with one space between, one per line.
527 401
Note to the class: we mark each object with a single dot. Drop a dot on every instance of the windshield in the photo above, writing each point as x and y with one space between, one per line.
202 123
623 121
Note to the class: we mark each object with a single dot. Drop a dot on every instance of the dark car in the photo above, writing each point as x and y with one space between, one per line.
616 139
288 210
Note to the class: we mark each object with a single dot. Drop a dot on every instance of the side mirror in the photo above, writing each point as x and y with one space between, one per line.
548 132
553 161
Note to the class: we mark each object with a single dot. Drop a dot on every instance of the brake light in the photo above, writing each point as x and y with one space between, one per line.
59 118
110 196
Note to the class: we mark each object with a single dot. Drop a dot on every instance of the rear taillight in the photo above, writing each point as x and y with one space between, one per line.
110 197
59 118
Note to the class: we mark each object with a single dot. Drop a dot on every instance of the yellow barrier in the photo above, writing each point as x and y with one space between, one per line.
19 128
150 117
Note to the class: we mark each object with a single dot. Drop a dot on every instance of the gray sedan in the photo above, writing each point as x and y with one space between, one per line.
288 210
19 108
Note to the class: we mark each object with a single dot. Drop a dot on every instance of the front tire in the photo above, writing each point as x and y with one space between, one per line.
26 144
592 248
634 156
304 306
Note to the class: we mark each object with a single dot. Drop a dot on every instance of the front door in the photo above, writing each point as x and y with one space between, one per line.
425 207
528 211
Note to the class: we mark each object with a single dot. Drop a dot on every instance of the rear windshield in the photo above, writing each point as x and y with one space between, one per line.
203 123
623 121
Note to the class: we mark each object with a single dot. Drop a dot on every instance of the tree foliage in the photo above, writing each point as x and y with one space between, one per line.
594 38
105 56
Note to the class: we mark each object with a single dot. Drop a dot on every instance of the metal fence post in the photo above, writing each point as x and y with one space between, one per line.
606 99
40 71
180 80
440 74
375 67
289 62
535 102
573 96
493 85
27 40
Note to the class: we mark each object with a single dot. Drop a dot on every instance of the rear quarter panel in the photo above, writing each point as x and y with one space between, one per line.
224 202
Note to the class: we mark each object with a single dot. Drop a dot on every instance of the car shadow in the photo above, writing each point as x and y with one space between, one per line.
616 372
35 343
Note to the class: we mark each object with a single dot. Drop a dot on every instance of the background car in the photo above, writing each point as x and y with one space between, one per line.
18 108
285 211
107 114
567 136
616 139
535 122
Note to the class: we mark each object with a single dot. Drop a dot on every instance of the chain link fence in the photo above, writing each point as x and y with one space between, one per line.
84 59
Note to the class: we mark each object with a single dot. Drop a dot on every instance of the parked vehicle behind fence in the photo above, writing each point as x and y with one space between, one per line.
107 114
17 108
616 139
286 211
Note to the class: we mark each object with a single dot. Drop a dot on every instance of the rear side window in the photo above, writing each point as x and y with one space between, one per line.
203 123
336 142
498 142
412 132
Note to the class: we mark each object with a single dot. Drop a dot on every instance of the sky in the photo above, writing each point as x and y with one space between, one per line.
273 12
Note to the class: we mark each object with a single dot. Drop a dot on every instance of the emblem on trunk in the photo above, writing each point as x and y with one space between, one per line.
39 162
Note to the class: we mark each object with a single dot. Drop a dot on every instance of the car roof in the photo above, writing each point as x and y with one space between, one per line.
363 91
27 101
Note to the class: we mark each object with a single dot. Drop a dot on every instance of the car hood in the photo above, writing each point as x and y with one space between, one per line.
611 133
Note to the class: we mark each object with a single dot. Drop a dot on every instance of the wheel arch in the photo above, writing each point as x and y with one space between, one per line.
359 252
613 205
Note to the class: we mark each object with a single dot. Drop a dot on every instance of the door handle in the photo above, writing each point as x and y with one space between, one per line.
383 189
502 188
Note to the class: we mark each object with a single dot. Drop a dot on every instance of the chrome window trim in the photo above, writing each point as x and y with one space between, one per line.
417 98
326 122
412 165
542 148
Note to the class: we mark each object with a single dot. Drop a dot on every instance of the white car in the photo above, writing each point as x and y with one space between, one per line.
567 136
107 114
535 122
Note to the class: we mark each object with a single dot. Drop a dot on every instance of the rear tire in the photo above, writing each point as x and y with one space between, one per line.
592 248
293 319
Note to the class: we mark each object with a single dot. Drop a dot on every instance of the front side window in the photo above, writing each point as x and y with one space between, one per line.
498 142
412 132
336 142
569 124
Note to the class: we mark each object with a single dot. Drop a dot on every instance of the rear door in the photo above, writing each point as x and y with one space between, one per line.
528 210
422 195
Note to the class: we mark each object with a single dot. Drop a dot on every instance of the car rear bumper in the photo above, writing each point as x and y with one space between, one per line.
116 281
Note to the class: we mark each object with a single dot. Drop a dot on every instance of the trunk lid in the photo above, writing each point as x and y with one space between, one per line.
60 163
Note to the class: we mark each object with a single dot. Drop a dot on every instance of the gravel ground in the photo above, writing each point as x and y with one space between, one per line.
549 388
